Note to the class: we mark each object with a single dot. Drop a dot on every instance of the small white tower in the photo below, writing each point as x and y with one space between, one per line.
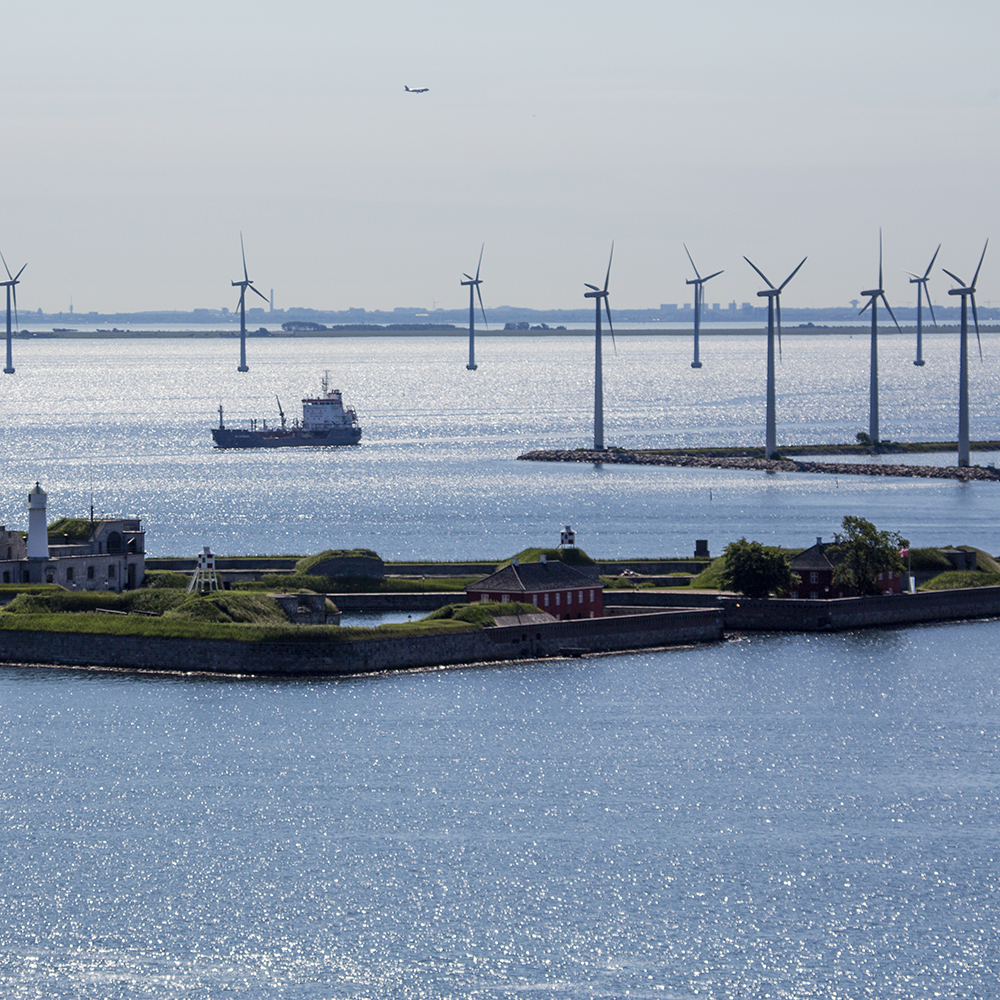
38 530
204 578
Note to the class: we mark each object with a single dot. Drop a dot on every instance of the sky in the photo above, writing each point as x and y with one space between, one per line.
141 139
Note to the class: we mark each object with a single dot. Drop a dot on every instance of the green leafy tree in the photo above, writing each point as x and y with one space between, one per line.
866 552
756 570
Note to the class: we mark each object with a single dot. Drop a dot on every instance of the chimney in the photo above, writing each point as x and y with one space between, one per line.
819 539
543 559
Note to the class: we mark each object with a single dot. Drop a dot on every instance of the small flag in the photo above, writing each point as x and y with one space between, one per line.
904 553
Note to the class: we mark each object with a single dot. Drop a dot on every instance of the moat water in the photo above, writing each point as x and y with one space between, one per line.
778 816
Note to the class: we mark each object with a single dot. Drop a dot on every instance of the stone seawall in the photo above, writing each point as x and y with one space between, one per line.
296 659
743 614
614 456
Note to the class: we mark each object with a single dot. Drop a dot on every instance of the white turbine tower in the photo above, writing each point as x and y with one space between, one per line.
773 296
922 289
699 298
11 285
967 292
243 286
874 294
474 284
599 295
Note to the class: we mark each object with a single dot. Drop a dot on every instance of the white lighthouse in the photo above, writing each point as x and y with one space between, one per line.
38 530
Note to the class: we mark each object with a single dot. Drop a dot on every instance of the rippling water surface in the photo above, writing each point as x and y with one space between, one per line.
436 476
774 817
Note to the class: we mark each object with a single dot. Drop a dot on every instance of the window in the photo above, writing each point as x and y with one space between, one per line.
569 597
111 571
6 576
581 597
505 598
814 577
484 597
558 595
90 572
546 600
814 596
69 572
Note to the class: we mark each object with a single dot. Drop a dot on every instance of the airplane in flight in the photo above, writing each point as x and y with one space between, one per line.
416 90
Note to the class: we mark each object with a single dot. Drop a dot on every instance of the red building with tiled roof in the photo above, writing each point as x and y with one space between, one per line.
815 572
563 591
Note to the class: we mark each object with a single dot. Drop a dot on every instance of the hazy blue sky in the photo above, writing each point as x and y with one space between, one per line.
141 138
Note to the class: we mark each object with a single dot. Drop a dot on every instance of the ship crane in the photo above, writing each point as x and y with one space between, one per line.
282 412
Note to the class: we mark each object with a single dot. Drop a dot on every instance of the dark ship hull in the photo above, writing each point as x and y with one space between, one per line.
297 438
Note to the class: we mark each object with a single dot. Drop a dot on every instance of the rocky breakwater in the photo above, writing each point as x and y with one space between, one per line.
612 456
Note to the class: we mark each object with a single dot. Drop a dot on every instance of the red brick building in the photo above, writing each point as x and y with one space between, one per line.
815 571
563 591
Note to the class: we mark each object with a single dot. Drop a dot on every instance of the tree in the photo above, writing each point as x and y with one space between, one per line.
866 553
756 570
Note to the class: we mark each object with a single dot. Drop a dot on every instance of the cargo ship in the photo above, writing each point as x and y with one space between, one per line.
325 421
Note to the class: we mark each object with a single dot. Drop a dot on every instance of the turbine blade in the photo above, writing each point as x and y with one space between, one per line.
261 294
587 285
469 276
690 258
611 326
879 256
976 275
711 276
19 273
931 264
866 305
777 309
792 275
975 317
930 306
954 276
17 322
246 277
480 264
607 277
5 267
910 273
485 320
759 271
891 313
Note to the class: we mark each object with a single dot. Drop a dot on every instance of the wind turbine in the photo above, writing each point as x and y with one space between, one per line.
922 289
243 286
967 292
699 296
474 284
599 295
773 296
874 294
11 285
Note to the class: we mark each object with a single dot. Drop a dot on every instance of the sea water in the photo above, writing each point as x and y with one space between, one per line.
780 816
126 424
774 816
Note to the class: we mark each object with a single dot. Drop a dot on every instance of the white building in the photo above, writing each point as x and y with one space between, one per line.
76 553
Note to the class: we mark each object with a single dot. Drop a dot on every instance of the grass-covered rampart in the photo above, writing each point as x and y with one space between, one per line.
222 615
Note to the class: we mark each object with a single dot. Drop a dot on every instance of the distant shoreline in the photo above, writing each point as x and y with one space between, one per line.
460 332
